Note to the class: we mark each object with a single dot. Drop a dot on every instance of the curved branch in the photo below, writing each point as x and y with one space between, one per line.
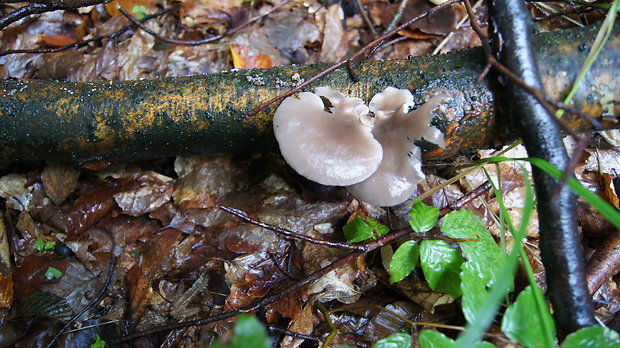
562 252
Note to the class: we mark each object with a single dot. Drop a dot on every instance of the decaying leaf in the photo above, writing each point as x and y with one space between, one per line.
336 41
302 324
154 191
13 188
202 180
59 180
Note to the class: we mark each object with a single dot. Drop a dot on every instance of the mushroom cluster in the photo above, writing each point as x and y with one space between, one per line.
335 139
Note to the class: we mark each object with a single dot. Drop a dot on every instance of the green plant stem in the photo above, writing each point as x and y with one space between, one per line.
597 47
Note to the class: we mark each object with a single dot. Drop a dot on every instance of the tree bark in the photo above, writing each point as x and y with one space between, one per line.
133 120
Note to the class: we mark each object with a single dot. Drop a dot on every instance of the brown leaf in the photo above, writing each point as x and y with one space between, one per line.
244 58
140 292
91 207
154 191
59 180
30 276
6 290
56 40
302 324
202 180
610 190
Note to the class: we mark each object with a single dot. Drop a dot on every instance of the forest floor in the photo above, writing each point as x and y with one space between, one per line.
175 254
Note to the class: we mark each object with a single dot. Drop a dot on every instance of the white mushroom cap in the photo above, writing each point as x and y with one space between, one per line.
334 148
396 129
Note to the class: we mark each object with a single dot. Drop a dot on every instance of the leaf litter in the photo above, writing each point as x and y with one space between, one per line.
182 257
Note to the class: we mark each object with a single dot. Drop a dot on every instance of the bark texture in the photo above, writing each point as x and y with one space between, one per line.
133 120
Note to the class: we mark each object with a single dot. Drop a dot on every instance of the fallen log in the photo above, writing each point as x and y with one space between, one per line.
132 120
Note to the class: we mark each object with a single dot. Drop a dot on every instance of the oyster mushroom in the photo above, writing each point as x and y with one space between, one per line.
331 148
374 157
396 128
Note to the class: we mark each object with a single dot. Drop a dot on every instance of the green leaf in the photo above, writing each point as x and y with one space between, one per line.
360 229
249 333
139 11
357 230
52 273
99 343
397 340
423 217
474 291
434 339
39 244
485 256
518 318
377 228
49 245
404 260
593 336
441 265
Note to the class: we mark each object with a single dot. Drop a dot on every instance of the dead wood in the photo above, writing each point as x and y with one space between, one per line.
133 120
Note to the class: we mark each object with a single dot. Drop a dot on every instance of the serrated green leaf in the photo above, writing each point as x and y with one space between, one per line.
441 265
423 217
518 318
249 333
434 339
52 273
404 260
485 256
377 228
357 230
592 337
397 340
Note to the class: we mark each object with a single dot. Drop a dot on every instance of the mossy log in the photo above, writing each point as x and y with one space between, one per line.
132 120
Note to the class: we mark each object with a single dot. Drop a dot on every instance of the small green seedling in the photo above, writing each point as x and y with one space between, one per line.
139 11
44 246
52 273
99 343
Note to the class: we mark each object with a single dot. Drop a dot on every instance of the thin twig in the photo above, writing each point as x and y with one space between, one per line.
367 20
397 16
290 234
293 334
470 196
90 304
38 8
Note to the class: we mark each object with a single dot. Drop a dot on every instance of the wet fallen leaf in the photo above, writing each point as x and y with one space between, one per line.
610 190
154 191
140 292
244 58
56 40
202 180
303 324
59 180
